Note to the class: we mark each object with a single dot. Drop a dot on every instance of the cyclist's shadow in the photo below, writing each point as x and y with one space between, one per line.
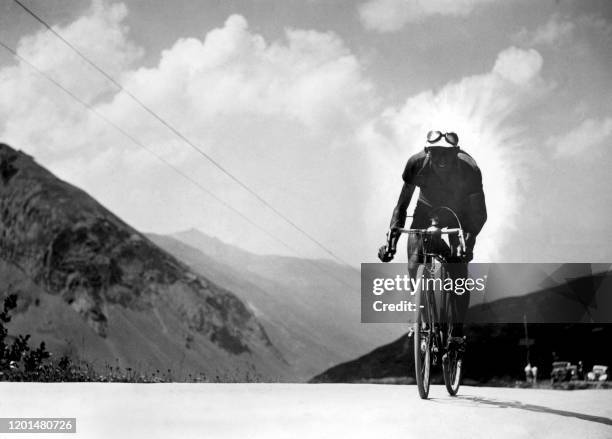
479 400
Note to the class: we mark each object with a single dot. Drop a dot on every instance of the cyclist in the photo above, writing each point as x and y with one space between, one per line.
446 176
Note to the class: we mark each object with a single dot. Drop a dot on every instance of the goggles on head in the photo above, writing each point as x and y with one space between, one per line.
435 136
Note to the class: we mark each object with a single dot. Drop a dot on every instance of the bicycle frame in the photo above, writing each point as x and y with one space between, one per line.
435 311
430 332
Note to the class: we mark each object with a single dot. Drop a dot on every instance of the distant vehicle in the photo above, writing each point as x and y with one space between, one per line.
561 371
599 373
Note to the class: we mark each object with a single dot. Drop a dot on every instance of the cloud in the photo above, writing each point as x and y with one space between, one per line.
555 31
590 134
279 114
392 15
100 33
518 66
310 79
480 109
36 113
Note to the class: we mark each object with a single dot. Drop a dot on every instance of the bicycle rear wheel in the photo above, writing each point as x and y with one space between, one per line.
452 361
423 335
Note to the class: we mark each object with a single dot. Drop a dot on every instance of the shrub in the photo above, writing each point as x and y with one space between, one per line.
19 361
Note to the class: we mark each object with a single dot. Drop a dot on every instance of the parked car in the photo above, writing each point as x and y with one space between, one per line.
561 371
599 373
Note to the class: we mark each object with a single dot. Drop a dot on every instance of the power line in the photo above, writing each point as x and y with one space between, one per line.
136 141
184 138
166 162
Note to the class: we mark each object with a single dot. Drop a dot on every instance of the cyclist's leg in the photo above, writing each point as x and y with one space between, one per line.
459 302
415 256
415 243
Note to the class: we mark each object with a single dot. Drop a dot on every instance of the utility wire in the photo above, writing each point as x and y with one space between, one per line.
183 137
167 163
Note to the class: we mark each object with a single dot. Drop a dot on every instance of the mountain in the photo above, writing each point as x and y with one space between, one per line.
494 354
91 286
309 308
496 351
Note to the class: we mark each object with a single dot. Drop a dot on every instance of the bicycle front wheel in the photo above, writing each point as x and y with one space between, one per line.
423 334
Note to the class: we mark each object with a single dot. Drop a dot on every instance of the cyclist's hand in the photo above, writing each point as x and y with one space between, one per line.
385 254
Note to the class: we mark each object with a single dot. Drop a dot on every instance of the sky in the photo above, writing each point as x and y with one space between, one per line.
317 106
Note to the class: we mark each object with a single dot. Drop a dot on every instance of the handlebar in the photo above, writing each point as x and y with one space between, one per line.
433 230
443 231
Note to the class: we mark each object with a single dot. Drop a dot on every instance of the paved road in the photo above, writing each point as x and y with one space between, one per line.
315 411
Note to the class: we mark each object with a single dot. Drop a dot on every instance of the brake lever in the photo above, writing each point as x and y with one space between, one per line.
462 242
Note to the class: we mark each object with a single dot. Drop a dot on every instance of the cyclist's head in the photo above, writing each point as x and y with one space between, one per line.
442 148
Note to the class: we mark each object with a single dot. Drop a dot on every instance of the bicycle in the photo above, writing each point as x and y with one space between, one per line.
432 329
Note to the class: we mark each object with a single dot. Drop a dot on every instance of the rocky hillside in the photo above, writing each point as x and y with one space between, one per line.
67 257
309 308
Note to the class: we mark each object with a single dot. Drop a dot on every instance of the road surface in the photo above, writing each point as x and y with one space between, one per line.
314 411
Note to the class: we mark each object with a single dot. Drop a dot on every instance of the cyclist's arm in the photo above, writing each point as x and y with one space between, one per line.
398 219
477 213
476 205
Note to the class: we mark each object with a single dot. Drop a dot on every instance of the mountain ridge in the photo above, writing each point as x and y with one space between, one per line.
73 248
313 318
496 351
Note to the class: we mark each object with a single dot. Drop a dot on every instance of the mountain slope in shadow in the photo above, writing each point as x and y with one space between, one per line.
494 354
92 286
496 351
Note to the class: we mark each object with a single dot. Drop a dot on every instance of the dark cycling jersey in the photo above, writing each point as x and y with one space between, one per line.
460 190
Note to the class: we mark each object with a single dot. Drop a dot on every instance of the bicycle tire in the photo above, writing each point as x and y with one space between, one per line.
452 363
422 334
452 369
